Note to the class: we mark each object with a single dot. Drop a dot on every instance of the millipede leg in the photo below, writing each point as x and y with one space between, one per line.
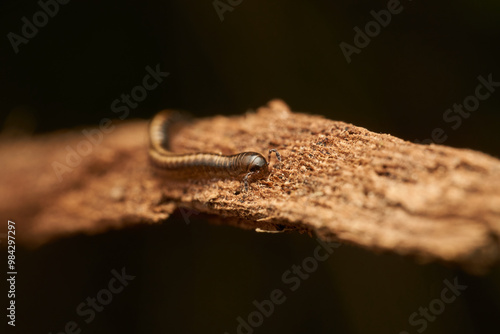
245 182
278 155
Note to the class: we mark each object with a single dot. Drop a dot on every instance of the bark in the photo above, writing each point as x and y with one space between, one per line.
336 180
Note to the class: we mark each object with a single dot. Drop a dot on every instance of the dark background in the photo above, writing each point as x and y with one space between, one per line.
198 278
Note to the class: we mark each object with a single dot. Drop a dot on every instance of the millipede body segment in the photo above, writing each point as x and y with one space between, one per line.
248 166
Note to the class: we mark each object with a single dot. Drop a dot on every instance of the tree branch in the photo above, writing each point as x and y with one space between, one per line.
336 180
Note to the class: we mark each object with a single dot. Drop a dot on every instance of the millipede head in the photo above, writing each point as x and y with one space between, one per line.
256 166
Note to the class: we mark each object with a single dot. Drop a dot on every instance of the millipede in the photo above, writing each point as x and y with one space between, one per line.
247 166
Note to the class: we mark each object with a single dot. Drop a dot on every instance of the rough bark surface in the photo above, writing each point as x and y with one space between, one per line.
336 180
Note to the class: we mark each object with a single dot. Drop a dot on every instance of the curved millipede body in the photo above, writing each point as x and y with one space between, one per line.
248 166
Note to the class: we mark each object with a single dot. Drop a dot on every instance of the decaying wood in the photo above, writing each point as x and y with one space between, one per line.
336 180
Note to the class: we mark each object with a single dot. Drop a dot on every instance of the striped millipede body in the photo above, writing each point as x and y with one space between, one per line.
247 166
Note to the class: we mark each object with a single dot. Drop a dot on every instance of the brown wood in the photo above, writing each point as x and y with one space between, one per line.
336 180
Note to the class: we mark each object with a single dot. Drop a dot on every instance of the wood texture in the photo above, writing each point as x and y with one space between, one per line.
336 180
